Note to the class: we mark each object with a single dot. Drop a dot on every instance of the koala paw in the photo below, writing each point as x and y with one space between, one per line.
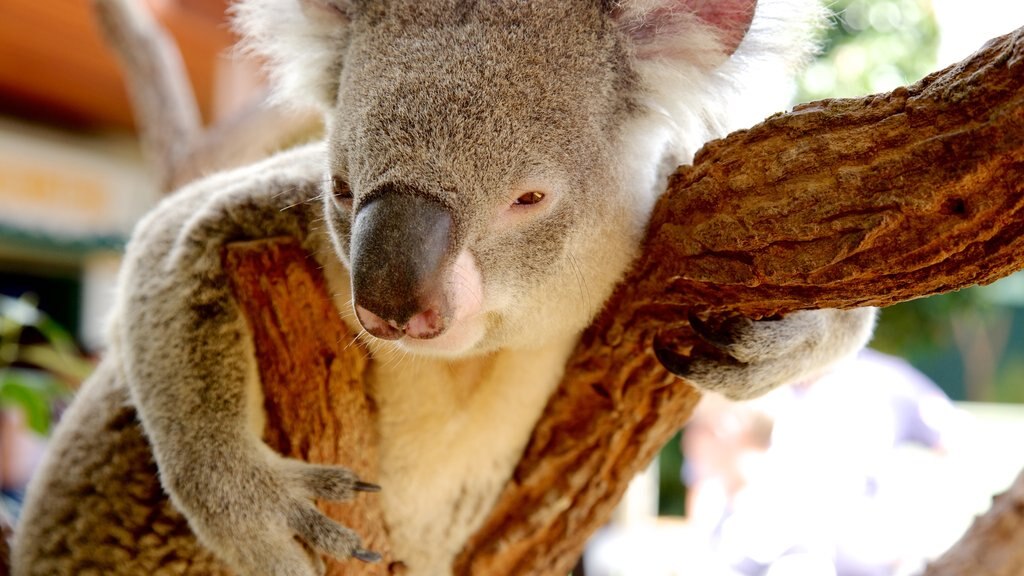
265 523
749 358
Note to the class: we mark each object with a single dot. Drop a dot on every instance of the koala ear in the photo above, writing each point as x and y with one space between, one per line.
708 67
702 33
302 42
336 11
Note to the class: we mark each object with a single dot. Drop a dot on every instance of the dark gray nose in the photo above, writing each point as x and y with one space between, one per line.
401 245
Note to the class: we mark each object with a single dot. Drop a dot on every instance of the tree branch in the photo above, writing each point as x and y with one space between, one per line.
164 104
312 371
177 147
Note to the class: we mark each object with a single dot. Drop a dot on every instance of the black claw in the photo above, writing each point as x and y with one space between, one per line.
720 333
361 486
673 362
366 556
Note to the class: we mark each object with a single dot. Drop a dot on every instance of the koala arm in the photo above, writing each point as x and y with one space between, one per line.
189 363
761 355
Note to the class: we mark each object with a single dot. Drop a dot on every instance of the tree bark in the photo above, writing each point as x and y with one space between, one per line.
841 203
312 371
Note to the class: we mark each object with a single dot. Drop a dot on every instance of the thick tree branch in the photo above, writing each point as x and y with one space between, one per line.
312 374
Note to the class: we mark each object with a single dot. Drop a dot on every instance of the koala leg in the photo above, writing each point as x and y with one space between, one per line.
758 356
95 505
189 364
171 407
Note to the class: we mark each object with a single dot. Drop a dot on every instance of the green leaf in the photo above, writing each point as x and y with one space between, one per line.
34 392
61 362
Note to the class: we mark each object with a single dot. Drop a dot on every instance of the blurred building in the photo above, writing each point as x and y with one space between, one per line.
72 180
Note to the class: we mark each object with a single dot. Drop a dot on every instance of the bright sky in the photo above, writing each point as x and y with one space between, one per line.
965 25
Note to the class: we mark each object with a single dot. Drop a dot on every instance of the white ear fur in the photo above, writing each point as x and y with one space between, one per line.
704 64
302 43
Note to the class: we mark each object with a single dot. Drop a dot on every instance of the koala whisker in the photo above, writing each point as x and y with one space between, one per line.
581 282
284 191
465 283
293 205
356 338
394 358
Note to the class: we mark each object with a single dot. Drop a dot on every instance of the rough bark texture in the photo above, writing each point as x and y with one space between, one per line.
841 203
312 372
993 545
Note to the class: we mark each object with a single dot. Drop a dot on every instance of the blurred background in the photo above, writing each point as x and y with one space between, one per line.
909 444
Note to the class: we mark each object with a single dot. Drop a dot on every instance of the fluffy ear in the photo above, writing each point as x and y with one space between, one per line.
302 42
701 32
332 10
707 67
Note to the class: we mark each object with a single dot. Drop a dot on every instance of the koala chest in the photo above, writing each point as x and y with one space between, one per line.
451 434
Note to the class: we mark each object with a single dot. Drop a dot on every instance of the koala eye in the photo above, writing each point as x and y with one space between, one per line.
529 198
340 191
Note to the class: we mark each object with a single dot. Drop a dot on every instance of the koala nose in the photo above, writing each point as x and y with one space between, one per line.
401 245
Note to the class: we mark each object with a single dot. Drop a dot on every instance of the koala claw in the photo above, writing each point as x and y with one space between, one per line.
722 333
277 529
747 358
331 482
324 534
361 486
682 365
367 556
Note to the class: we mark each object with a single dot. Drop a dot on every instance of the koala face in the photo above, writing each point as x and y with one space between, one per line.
475 190
492 164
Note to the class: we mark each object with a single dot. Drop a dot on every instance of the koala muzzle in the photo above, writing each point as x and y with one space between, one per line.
401 251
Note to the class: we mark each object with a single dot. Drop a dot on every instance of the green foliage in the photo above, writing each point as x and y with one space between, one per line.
921 328
671 494
873 46
35 376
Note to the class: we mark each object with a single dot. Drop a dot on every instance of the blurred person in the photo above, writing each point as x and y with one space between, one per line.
20 453
809 480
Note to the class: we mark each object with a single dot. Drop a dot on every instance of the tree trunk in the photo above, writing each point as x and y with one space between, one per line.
312 374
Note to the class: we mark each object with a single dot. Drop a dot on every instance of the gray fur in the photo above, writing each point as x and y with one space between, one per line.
469 104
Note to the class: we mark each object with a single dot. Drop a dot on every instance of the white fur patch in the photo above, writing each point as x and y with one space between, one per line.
451 434
303 53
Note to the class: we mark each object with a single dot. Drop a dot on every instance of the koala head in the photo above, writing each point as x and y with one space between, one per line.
492 163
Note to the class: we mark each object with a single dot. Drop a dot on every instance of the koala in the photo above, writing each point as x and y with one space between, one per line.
485 180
